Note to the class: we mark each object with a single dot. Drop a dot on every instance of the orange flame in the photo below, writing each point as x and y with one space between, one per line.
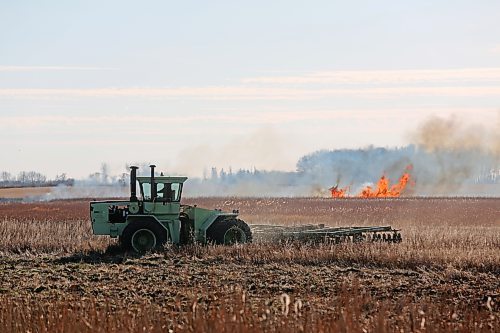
338 192
383 189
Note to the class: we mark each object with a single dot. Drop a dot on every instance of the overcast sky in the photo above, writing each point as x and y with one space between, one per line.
194 84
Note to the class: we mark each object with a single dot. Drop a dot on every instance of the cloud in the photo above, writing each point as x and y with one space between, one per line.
384 76
51 68
235 116
255 93
495 49
377 84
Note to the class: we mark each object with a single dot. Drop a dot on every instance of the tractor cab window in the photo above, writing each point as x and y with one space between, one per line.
168 191
146 191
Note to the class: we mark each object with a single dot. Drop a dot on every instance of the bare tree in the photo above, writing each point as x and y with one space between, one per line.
34 178
61 178
95 177
214 175
22 177
6 176
39 178
123 179
104 173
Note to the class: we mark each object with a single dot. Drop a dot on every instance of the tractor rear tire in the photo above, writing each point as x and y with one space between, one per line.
143 236
229 231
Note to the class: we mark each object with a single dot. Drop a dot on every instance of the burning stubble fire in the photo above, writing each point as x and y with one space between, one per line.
338 192
382 190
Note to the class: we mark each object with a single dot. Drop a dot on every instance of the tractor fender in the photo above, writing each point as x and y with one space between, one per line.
171 227
201 232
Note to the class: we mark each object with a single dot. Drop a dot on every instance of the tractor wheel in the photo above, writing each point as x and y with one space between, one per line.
143 236
229 231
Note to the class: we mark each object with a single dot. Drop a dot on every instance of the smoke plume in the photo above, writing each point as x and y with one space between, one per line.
456 157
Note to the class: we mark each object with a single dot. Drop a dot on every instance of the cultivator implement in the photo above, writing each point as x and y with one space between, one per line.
321 233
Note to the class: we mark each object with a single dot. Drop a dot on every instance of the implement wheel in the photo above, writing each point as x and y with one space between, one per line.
143 236
228 232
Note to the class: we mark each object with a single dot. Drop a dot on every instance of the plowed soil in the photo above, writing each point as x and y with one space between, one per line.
446 271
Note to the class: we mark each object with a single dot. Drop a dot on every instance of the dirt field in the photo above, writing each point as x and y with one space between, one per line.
444 277
23 192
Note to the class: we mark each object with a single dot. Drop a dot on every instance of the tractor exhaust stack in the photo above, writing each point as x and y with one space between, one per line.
133 183
153 185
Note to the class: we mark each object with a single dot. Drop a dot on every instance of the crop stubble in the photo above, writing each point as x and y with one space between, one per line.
444 276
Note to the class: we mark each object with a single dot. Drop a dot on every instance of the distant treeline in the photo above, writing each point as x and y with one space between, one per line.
32 179
433 172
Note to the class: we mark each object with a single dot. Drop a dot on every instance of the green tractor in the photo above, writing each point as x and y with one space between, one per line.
147 222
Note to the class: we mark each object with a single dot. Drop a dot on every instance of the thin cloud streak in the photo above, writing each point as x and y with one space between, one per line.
254 93
51 68
265 117
385 76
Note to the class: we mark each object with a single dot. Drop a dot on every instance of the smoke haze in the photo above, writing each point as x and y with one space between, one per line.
266 146
459 157
449 157
453 134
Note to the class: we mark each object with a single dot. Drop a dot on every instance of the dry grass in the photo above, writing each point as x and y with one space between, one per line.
442 278
236 313
48 227
48 236
23 192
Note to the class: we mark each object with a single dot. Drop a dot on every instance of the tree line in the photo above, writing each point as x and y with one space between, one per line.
32 178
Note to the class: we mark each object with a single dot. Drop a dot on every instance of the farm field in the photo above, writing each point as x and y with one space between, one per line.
23 192
444 277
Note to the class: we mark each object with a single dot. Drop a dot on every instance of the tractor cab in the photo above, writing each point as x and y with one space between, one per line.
164 189
159 195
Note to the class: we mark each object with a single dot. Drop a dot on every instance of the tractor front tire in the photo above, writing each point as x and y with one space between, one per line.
143 236
228 232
